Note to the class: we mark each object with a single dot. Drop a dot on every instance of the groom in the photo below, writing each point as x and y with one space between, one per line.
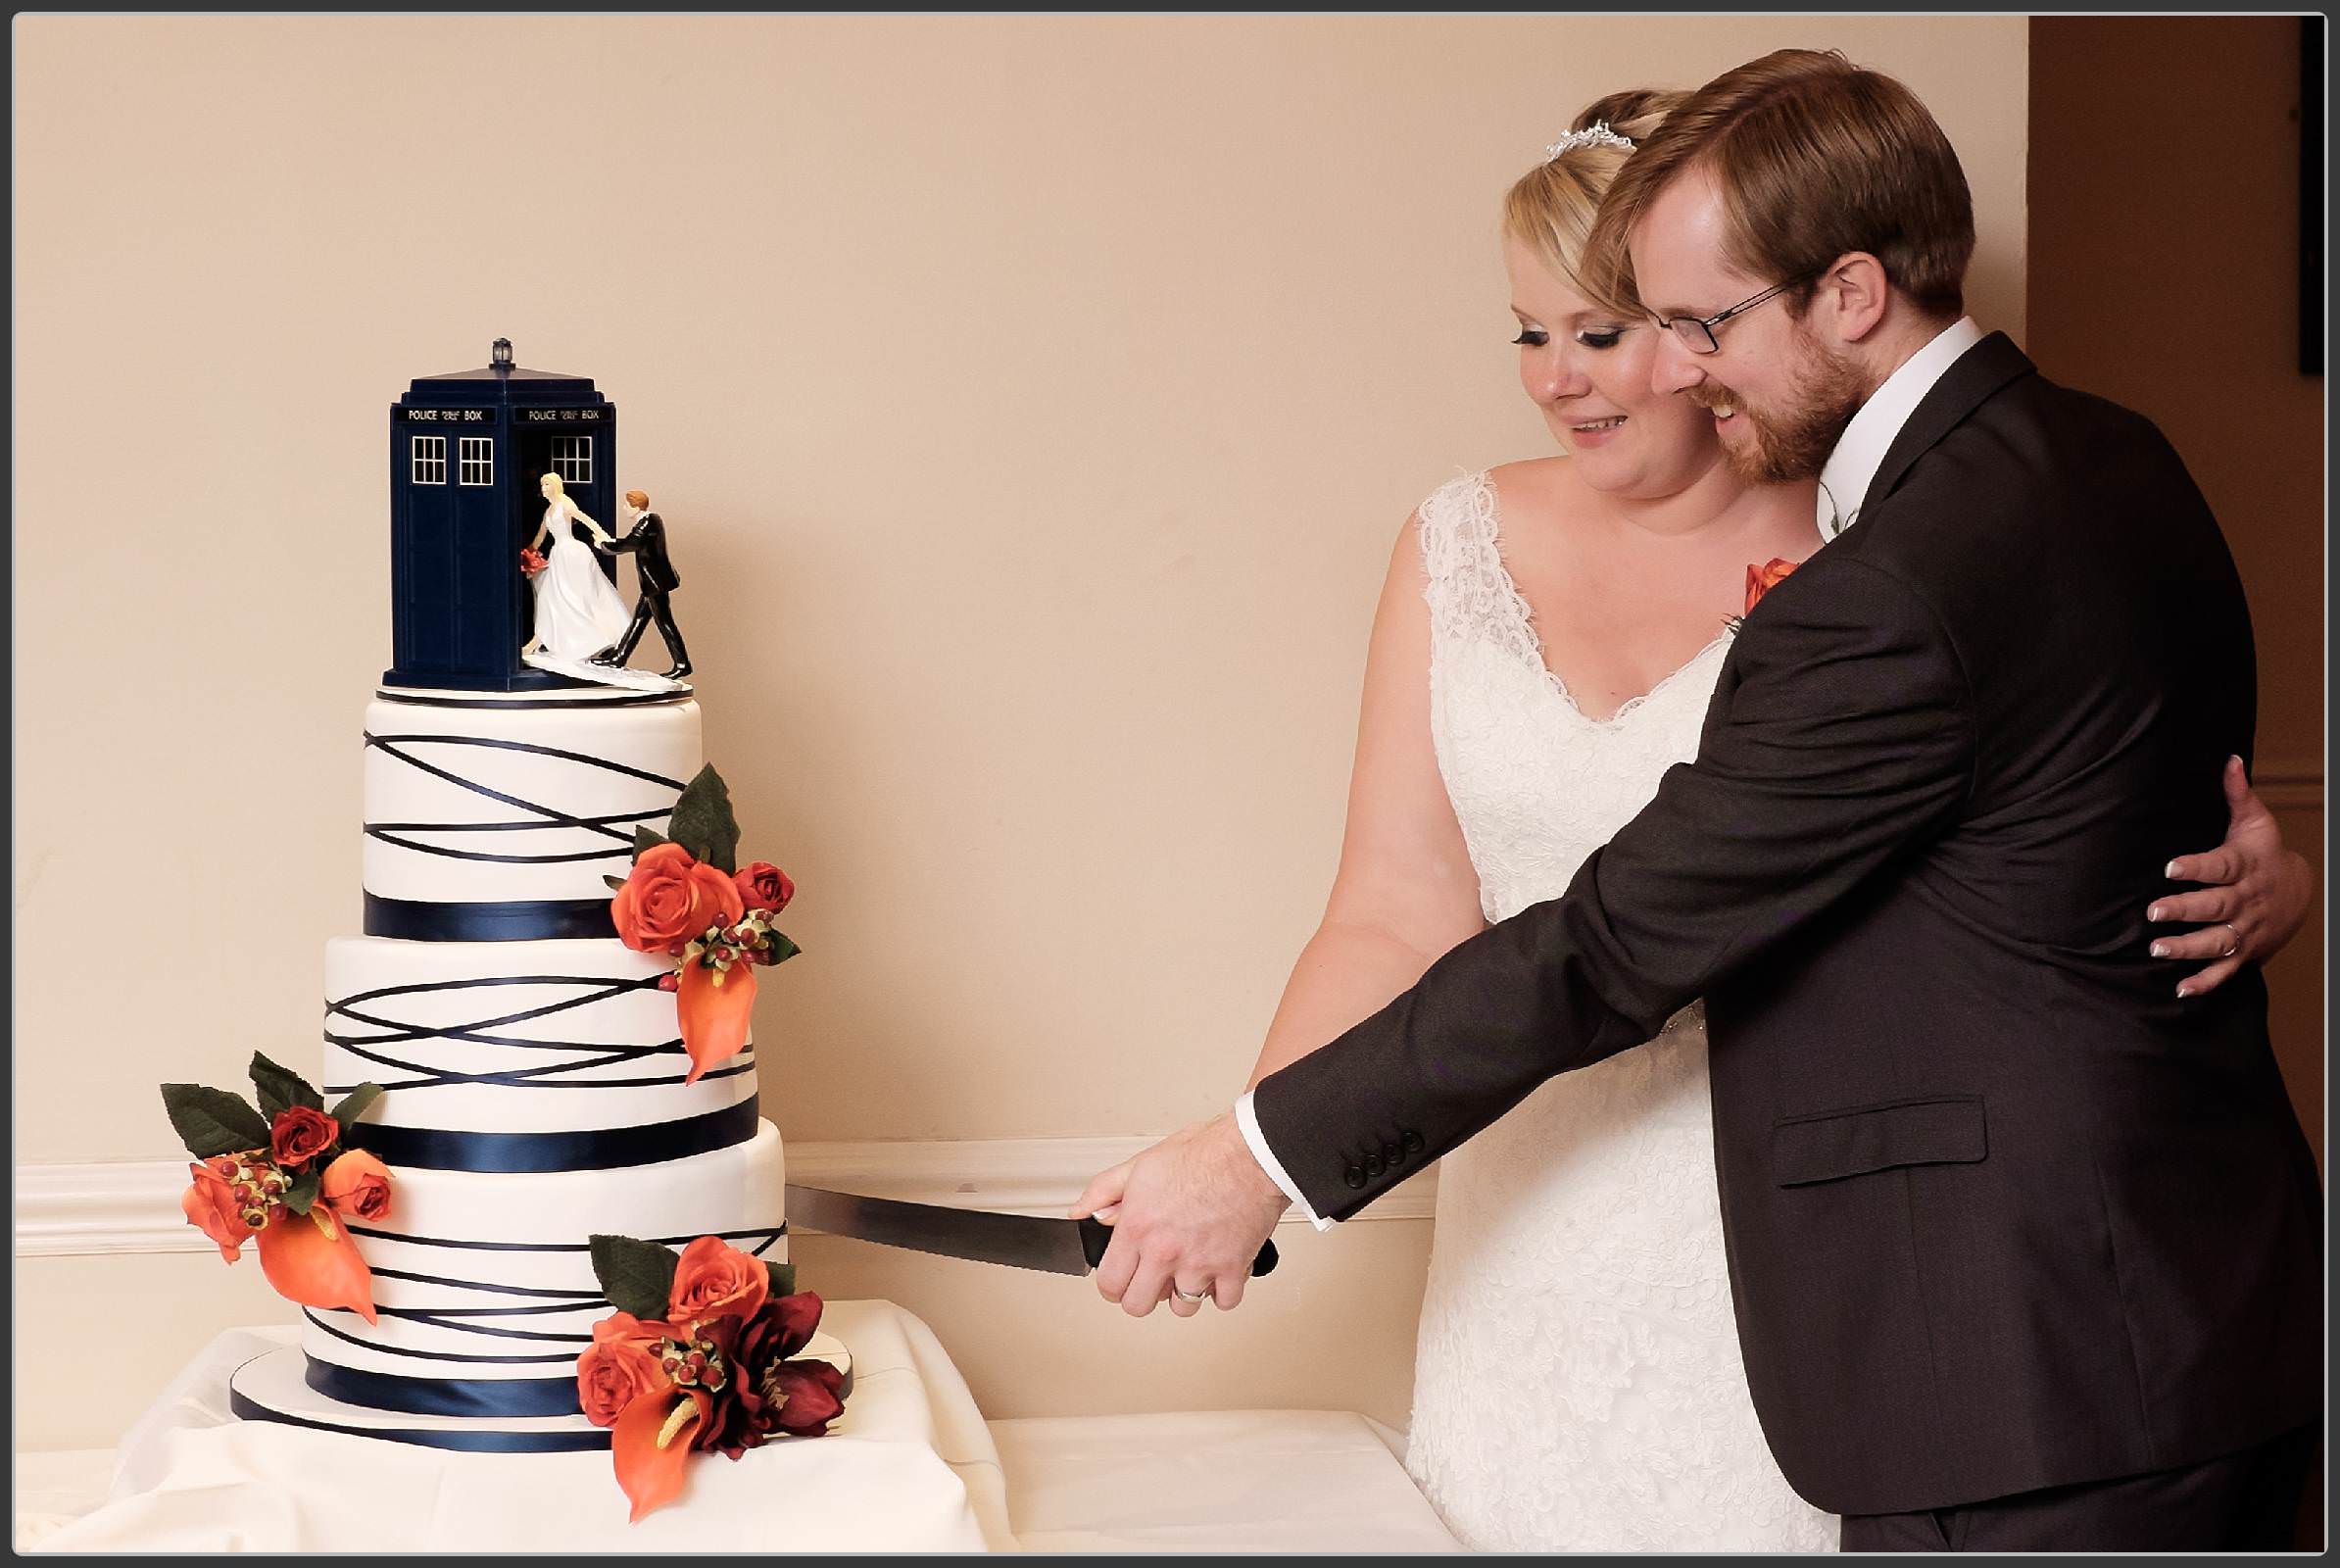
2024 1250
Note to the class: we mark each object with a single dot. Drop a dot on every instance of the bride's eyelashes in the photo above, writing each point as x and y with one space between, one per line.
1533 337
1607 337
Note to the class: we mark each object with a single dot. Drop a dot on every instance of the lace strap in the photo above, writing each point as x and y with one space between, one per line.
1471 597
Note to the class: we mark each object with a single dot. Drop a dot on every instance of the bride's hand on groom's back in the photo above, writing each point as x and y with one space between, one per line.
2255 896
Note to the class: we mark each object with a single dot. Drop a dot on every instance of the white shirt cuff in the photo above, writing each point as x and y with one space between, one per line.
1248 1121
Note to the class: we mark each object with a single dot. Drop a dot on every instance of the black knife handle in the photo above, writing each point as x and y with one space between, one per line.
1097 1236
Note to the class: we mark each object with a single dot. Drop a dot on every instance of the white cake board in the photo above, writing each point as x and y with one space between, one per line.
273 1387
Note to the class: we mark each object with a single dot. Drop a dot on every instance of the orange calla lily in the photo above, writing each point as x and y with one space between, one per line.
313 1259
649 1453
714 1005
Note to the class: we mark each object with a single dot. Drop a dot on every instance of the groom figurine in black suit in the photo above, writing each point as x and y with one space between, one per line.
655 577
2026 1249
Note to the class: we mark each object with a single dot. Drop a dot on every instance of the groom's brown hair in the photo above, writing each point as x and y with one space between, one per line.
1815 156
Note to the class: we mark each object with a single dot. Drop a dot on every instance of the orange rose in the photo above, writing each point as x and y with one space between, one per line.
669 897
620 1368
1763 580
357 1184
214 1204
715 1279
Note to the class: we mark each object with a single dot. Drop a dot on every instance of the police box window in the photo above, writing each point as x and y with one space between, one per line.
478 456
573 458
430 460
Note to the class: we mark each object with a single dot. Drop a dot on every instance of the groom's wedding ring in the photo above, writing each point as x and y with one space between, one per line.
1188 1295
2235 947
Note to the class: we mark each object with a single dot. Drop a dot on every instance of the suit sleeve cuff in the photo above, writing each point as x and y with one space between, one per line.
1248 1121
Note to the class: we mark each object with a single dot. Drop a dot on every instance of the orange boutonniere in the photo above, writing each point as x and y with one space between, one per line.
1763 580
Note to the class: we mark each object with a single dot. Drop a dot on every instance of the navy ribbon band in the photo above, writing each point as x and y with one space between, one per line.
461 1442
536 920
441 1148
490 1397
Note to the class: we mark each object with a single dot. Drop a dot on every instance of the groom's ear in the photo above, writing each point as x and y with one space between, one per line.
1851 299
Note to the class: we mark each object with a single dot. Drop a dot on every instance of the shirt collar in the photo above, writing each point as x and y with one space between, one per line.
1844 479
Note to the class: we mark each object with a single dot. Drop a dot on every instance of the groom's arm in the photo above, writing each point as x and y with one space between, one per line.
1849 737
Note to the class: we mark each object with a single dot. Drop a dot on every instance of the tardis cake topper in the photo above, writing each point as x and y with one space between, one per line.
503 574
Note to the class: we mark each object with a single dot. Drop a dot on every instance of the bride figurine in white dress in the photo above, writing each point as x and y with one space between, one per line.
1546 647
578 612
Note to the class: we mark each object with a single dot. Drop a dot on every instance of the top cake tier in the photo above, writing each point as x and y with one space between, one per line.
497 821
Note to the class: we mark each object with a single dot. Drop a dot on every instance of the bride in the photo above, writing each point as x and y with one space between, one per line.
578 612
1546 642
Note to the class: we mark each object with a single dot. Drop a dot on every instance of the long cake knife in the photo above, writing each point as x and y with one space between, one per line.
1020 1241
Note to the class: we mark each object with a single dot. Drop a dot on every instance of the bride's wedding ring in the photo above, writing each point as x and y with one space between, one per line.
1188 1295
2235 947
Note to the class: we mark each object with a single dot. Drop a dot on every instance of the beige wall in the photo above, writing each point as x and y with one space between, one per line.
1032 402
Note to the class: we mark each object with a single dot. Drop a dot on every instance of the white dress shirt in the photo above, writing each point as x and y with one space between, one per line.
1846 476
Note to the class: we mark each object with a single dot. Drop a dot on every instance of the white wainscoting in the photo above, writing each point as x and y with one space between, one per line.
79 1210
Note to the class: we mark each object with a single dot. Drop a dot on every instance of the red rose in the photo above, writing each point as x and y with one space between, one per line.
357 1184
619 1368
714 1279
801 1398
221 1201
530 562
300 1135
670 899
764 886
1763 580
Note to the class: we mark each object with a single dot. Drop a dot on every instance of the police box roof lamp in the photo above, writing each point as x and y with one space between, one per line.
500 356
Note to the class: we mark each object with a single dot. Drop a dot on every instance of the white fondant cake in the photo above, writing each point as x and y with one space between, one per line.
532 1076
468 802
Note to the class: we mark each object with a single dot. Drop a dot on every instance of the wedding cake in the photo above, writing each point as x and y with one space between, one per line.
536 1084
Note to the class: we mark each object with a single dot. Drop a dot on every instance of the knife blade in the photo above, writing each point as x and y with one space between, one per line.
1018 1240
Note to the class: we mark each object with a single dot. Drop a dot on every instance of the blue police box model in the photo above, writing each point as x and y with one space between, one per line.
469 452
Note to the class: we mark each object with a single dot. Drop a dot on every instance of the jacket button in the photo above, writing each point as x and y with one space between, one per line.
1374 1165
1393 1153
1354 1177
1413 1142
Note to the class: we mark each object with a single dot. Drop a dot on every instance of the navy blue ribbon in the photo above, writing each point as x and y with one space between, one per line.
519 921
461 1441
490 1397
603 1149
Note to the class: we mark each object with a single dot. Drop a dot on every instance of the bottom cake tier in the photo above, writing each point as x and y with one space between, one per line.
483 1284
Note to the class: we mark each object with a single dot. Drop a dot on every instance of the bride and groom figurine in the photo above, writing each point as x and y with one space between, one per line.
583 629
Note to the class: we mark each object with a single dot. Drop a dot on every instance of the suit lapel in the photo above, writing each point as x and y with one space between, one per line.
1978 373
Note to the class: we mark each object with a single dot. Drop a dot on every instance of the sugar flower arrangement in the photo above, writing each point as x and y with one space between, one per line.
687 898
280 1173
699 1356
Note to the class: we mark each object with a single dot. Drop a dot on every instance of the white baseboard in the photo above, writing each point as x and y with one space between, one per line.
73 1210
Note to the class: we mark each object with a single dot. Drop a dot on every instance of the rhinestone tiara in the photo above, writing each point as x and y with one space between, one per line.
1596 134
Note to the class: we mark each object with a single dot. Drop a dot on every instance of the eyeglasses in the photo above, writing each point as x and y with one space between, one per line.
1697 333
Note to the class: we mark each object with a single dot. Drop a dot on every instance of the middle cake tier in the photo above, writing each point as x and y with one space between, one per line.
523 1056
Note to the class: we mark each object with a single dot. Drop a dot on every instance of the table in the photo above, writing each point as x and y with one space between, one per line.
910 1468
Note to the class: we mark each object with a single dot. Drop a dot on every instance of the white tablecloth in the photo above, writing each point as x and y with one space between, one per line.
910 1468
1220 1481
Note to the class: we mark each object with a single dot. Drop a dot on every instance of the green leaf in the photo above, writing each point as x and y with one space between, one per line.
783 950
784 1278
302 1191
280 1088
702 822
354 1104
616 884
635 1276
213 1121
645 841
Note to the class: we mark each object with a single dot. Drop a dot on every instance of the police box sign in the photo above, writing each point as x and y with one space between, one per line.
560 416
448 416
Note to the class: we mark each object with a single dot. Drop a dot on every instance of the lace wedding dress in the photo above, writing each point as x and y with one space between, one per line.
1576 1381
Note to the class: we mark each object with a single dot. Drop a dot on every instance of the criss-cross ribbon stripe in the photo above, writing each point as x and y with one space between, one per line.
615 826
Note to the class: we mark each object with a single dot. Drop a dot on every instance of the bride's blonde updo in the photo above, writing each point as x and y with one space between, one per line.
1550 209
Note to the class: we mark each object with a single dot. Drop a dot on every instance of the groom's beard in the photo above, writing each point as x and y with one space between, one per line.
1794 444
